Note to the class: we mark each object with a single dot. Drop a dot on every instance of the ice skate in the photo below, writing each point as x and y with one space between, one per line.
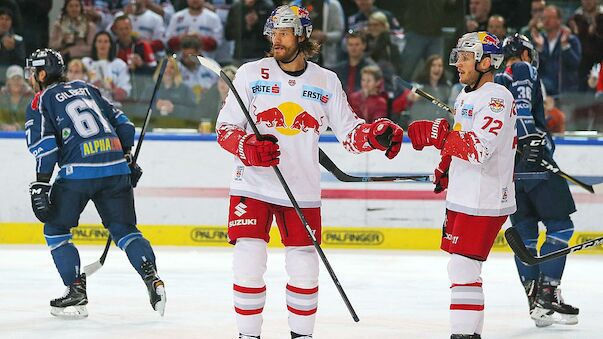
550 306
541 317
466 336
247 336
72 305
300 336
155 287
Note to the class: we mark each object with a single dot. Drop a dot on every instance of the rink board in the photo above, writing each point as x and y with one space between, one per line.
182 198
216 236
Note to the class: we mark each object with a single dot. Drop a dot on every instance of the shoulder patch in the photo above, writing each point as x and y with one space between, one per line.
496 105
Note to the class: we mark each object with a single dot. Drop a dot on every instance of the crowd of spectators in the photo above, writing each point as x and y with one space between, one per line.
118 45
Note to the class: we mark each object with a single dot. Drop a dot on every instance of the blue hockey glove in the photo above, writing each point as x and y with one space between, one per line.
40 200
135 170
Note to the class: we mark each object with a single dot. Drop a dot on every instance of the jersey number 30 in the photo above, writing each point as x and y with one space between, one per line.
82 113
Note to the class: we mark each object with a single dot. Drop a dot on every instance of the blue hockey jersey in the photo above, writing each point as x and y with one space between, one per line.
71 124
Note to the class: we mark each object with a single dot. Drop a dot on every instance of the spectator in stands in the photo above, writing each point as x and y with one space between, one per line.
174 99
12 47
423 37
555 118
136 52
380 46
595 79
592 47
197 21
348 71
164 8
198 79
497 26
590 9
72 34
359 21
108 72
15 9
213 98
559 52
76 70
328 26
479 12
432 80
369 102
101 12
535 23
245 26
14 98
35 13
146 24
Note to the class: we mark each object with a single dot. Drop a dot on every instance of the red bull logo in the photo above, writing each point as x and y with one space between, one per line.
496 105
289 118
489 39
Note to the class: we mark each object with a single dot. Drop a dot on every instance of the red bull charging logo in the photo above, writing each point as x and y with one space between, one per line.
288 118
489 39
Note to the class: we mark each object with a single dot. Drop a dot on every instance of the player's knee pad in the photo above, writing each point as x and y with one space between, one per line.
301 263
559 231
528 230
123 234
249 262
56 236
463 270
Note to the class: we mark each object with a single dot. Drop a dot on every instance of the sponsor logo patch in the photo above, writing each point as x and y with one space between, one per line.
496 105
263 87
467 111
208 234
350 237
316 94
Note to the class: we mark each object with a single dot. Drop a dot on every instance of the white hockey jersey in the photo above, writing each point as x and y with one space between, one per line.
295 110
483 184
207 23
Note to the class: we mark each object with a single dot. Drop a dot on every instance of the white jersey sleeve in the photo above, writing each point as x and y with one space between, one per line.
342 118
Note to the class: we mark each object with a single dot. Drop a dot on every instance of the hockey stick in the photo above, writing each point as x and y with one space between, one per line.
514 240
95 266
214 67
597 188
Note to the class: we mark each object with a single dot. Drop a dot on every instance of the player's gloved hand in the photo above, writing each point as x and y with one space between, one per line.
40 200
428 133
441 174
263 152
532 149
135 170
386 136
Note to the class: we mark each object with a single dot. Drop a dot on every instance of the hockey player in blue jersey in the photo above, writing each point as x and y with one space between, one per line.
70 124
548 201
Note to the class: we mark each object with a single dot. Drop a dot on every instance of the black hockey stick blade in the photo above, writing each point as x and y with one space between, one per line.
95 266
330 166
425 95
518 247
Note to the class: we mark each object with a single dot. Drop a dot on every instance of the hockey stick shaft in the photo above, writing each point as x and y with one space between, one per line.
516 243
216 69
544 164
95 266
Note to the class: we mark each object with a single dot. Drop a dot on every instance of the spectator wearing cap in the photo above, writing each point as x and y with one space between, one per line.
198 79
559 52
195 20
72 33
12 48
348 71
14 98
245 26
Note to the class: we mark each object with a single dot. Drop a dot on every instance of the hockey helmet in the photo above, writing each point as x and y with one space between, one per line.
481 44
286 16
48 60
514 45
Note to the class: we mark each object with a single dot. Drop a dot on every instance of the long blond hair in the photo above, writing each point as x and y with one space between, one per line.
177 75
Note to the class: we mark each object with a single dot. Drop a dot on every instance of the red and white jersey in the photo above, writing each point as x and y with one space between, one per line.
148 25
207 23
481 179
295 109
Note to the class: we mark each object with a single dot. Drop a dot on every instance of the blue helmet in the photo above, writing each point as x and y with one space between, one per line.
286 16
514 45
48 60
481 44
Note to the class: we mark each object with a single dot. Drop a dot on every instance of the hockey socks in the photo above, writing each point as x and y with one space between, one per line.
467 296
66 259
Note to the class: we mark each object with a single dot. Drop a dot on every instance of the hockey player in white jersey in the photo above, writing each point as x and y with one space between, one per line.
296 100
477 165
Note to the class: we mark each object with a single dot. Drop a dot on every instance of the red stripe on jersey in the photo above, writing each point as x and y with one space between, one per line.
300 312
476 284
302 290
248 312
244 289
466 307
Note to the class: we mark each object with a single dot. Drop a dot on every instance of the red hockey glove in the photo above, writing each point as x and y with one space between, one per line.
428 133
441 174
262 153
386 136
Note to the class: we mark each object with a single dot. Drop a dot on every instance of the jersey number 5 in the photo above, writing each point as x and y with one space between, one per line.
495 125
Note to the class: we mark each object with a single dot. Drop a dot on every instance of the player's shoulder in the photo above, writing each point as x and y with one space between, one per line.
496 96
522 70
314 68
264 63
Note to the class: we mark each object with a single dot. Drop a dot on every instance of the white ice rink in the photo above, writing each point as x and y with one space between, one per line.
396 295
